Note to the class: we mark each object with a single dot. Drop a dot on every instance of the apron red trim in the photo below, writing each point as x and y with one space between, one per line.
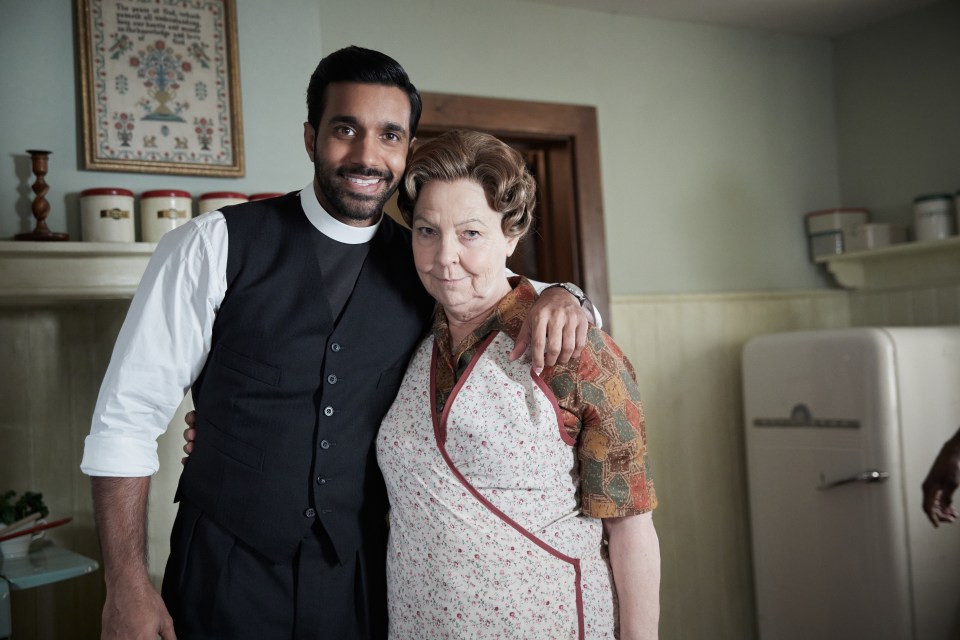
440 432
547 391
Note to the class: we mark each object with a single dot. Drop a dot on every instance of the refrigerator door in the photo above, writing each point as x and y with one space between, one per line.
928 377
826 496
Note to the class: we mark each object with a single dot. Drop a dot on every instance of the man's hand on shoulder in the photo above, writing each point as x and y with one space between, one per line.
554 331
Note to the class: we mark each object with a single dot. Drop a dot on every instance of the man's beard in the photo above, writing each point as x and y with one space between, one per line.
348 205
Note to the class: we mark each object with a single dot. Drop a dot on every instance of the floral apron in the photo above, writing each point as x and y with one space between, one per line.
486 538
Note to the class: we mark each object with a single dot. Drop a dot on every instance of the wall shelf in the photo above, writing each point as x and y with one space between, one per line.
32 272
908 264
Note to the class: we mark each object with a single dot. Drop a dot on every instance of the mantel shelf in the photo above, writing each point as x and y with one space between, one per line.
910 264
33 272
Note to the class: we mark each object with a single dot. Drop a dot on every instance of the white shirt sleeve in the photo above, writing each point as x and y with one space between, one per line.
161 349
592 310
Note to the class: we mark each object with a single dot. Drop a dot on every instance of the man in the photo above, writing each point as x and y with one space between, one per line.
941 482
294 337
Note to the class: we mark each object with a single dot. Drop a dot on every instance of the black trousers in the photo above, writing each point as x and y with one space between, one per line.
217 587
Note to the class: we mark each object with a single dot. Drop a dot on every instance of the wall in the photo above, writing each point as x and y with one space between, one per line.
39 110
897 98
53 358
714 140
686 350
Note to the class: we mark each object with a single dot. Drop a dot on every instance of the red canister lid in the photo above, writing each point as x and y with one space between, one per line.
264 196
106 191
165 193
219 195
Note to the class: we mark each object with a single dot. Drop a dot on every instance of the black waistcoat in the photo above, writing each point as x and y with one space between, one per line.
288 403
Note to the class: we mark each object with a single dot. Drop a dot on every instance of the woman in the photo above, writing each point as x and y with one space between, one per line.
504 484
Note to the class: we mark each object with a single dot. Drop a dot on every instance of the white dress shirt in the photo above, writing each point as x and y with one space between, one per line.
166 338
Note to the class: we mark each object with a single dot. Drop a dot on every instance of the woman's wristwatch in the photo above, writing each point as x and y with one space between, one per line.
572 289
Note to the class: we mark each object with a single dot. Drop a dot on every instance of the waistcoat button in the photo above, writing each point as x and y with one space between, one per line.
324 444
310 513
334 347
321 480
328 411
332 379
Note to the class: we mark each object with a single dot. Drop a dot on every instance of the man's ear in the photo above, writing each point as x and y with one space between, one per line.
411 149
309 140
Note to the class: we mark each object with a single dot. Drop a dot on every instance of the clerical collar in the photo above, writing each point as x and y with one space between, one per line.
330 226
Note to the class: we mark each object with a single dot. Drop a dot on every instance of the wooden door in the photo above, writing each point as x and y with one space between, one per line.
560 144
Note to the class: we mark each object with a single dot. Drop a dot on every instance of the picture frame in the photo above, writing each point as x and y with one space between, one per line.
160 86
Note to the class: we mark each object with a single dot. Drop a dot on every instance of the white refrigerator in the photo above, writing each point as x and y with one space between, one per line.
841 429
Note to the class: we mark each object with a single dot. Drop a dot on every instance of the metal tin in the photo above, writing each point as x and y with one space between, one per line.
872 236
216 200
162 210
933 217
106 215
830 219
826 243
264 196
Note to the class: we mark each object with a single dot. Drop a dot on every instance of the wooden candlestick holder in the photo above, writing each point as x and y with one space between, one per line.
40 207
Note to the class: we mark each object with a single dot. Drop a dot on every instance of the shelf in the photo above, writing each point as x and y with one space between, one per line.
45 564
908 264
33 272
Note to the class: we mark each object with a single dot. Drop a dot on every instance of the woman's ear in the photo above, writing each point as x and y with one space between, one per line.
512 242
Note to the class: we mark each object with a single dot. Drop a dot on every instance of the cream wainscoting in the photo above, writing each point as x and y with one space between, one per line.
687 353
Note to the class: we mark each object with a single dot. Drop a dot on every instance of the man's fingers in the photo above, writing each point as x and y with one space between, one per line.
930 498
190 418
166 631
582 329
523 341
538 345
568 344
190 435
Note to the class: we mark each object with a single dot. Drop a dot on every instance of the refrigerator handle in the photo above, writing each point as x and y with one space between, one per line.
869 476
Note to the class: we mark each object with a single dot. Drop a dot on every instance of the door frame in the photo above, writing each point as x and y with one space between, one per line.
577 230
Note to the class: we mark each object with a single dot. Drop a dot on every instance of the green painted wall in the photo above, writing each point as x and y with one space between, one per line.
714 140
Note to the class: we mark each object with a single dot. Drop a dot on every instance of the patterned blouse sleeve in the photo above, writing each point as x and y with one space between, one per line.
615 479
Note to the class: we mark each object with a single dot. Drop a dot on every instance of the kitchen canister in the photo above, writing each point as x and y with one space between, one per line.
216 200
933 217
873 235
264 196
162 210
827 229
106 215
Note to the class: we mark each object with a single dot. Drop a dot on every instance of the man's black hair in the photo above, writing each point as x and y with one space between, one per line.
356 64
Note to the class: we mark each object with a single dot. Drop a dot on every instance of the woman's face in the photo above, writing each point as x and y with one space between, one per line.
459 247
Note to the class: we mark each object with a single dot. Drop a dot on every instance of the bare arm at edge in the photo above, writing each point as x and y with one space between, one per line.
635 561
133 609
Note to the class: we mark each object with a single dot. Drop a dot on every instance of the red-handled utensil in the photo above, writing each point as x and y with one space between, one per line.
39 527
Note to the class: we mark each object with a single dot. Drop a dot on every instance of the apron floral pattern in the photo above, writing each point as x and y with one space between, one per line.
486 535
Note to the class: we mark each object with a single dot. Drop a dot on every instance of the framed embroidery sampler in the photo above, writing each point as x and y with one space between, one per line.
160 86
